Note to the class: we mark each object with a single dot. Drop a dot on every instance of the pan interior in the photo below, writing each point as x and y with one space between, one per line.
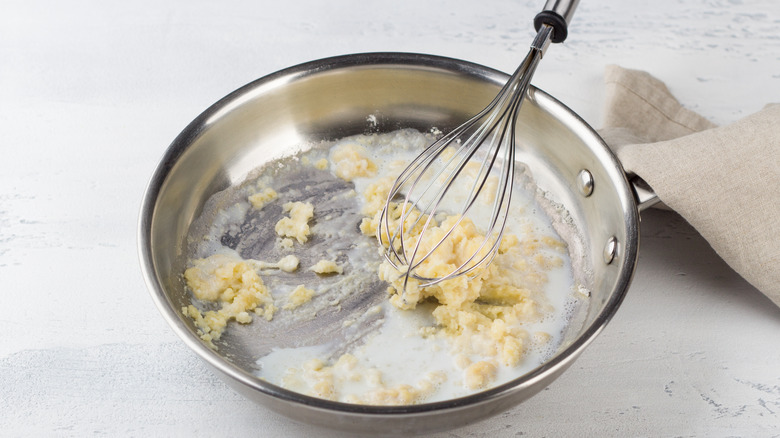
276 116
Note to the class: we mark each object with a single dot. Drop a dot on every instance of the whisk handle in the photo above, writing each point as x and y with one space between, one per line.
556 13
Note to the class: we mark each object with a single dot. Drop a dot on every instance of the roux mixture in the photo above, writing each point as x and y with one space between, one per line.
425 344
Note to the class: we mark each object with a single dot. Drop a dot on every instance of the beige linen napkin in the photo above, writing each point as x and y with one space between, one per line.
725 181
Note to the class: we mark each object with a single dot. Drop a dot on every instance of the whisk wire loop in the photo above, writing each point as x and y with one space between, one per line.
430 183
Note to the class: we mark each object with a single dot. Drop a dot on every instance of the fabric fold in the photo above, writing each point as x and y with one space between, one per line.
725 181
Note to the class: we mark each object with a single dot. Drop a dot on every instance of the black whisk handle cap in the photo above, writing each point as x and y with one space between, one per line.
556 14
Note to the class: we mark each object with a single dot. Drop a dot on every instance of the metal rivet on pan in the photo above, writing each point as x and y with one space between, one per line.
610 249
585 182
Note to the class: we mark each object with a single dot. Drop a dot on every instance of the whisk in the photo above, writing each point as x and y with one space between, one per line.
457 175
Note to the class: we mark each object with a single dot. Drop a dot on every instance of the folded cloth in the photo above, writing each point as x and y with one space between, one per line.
725 181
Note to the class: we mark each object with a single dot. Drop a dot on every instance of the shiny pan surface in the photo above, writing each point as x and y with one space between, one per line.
332 98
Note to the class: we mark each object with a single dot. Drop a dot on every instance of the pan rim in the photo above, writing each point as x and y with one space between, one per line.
373 59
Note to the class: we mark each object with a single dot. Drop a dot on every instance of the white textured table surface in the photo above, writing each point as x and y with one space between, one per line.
92 92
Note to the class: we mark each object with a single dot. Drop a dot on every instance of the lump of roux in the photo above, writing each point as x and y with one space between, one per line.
296 226
232 283
327 267
482 318
481 314
299 296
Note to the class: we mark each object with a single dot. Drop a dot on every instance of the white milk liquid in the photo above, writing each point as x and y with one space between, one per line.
395 352
398 350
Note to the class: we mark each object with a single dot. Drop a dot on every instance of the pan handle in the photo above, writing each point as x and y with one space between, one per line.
643 194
